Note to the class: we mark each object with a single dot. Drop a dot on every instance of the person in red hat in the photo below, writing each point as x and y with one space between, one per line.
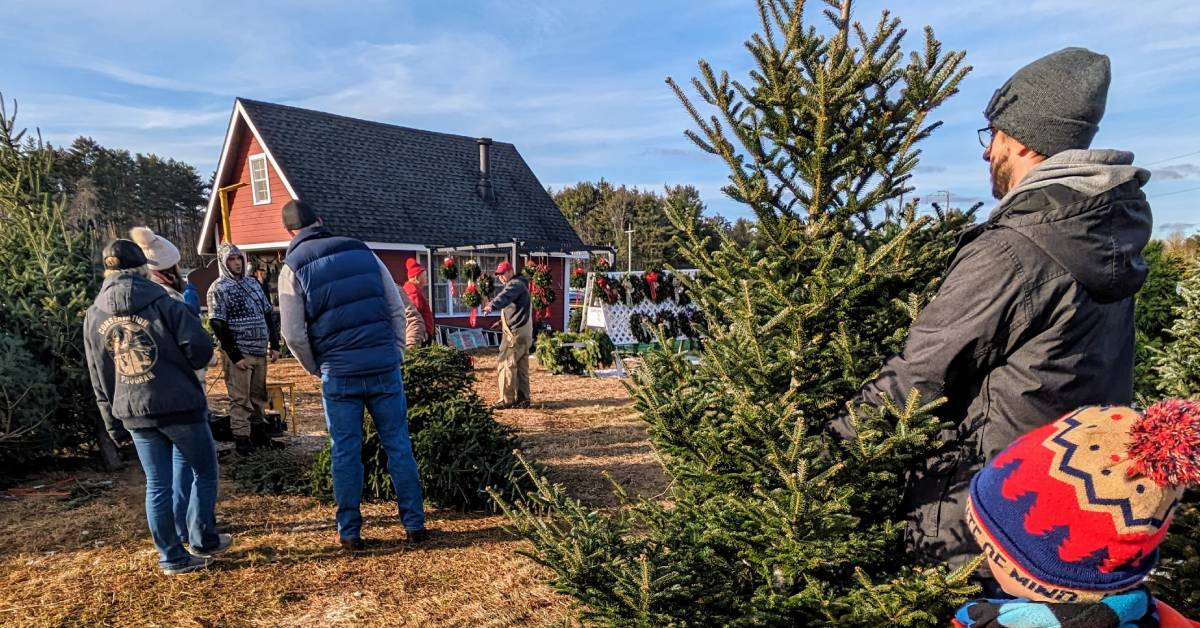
516 318
415 289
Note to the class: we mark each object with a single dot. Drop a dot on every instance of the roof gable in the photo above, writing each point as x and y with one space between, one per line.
387 183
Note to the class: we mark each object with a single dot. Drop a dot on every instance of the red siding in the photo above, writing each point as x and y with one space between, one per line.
250 223
396 261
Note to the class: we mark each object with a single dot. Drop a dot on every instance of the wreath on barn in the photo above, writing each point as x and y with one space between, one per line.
579 278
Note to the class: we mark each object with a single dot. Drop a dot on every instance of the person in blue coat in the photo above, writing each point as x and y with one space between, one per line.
343 318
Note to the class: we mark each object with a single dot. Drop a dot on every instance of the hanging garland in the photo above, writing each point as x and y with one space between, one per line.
635 289
637 326
471 270
579 278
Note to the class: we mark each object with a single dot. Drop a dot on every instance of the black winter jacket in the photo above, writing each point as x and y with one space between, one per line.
143 349
1034 319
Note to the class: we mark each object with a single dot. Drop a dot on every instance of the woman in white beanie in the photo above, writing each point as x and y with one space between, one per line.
162 260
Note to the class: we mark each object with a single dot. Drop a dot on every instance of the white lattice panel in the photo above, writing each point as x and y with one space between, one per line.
614 319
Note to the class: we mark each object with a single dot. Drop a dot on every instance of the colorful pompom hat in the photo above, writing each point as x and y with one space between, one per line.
1076 510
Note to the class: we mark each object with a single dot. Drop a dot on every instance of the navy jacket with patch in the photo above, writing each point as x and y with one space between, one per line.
143 349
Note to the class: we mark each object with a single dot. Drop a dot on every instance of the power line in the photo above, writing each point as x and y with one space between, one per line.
1163 161
1175 192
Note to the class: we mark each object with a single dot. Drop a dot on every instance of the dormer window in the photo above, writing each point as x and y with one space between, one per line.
258 179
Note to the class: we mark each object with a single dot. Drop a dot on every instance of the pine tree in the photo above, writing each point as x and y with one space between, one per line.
47 279
765 523
1177 366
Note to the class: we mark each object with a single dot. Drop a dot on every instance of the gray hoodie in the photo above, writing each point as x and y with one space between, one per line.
1034 319
239 310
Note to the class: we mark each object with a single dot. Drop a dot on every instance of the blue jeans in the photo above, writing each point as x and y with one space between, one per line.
383 395
161 451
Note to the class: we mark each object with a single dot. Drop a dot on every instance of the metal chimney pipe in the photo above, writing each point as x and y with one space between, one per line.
484 187
484 155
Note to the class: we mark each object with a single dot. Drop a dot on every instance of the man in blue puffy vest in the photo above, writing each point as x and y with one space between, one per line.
343 318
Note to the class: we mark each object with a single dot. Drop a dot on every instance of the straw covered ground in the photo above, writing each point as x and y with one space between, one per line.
93 564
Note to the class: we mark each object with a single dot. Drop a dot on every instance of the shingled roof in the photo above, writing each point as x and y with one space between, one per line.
386 183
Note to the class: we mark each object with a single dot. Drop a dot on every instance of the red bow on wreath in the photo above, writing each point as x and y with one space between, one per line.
652 282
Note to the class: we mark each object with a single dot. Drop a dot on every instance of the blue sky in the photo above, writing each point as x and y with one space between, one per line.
578 86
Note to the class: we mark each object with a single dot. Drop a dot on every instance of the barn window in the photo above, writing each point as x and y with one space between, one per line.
258 179
443 304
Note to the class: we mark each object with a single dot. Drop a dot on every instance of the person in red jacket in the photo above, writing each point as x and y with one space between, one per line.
415 289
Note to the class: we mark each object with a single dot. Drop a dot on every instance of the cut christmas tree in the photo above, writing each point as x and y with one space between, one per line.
764 523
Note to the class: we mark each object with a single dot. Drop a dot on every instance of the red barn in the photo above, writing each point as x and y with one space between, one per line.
405 192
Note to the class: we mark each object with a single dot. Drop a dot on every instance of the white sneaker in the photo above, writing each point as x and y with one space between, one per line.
224 542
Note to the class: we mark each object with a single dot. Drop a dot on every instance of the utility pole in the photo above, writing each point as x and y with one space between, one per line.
629 261
947 193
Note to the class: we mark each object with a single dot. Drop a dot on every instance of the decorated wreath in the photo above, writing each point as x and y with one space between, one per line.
449 269
666 320
601 265
579 278
471 270
529 269
542 276
605 289
683 322
635 289
486 285
639 329
658 285
471 297
681 294
541 299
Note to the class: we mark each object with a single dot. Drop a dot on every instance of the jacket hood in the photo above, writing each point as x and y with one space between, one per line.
128 294
1087 211
224 252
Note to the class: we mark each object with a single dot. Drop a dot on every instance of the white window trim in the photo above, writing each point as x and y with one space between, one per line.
262 158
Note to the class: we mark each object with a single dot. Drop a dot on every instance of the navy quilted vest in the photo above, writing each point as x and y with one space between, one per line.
349 321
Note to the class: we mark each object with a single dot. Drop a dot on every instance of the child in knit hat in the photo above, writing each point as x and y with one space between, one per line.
1070 517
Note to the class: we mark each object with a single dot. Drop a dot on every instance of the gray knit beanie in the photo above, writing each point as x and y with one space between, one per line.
1055 103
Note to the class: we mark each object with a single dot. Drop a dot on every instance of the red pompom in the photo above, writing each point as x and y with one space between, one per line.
1165 443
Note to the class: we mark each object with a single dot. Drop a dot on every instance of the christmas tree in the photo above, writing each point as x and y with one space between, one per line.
1177 579
47 279
764 522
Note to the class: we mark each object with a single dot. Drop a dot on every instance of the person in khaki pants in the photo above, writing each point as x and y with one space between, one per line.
240 315
517 322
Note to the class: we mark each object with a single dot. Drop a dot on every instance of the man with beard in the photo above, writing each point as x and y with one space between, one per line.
239 313
1035 316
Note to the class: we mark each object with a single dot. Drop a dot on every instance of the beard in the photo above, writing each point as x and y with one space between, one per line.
1001 171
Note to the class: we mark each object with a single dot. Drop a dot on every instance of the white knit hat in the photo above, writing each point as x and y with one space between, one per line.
160 253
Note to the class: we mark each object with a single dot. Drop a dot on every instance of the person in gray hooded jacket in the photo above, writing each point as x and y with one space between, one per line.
240 315
1035 315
